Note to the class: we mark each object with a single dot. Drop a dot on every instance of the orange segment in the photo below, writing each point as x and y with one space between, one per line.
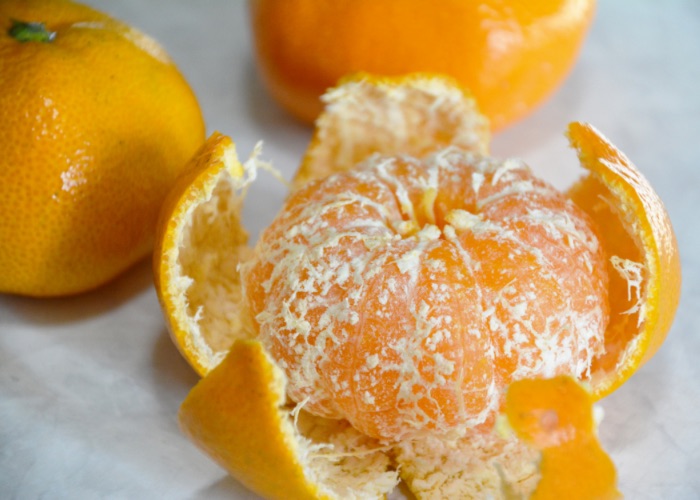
511 55
199 243
237 415
644 264
555 416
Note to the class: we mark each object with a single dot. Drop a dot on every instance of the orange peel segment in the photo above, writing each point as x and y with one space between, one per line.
199 243
365 114
555 416
237 415
644 267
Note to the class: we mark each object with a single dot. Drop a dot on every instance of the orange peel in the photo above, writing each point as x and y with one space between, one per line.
555 416
195 263
644 267
350 129
238 413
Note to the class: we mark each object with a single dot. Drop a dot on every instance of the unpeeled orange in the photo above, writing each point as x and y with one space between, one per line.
510 54
97 123
265 353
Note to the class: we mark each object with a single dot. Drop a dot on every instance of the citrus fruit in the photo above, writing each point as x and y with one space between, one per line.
261 335
511 55
404 295
97 124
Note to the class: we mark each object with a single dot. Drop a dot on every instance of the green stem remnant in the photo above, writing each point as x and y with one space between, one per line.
30 32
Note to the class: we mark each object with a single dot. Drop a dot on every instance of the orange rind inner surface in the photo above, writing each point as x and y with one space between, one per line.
199 244
643 260
365 114
250 386
238 415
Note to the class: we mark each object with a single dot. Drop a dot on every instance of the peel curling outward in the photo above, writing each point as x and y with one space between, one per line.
237 414
644 264
401 302
199 243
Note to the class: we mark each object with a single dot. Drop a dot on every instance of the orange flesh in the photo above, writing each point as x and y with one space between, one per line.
405 295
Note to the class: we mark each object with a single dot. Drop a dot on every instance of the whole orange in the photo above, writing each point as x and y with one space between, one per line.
97 122
510 54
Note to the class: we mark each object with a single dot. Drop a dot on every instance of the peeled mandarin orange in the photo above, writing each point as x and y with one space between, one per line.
404 295
97 124
640 247
512 55
338 362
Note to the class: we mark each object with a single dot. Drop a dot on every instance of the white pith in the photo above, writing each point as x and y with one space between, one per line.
204 261
363 117
339 460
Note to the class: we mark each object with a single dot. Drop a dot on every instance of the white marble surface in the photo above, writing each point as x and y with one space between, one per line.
90 386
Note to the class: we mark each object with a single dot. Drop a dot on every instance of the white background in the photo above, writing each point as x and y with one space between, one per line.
90 385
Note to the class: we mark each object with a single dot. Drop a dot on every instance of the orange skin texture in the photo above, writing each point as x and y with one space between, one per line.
97 124
445 331
511 55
